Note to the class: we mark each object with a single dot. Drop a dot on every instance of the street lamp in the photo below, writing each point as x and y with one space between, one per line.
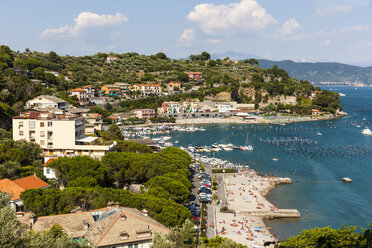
197 235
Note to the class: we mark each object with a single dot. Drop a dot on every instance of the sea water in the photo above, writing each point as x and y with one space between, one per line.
315 163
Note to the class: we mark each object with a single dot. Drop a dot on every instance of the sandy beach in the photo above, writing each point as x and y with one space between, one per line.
244 195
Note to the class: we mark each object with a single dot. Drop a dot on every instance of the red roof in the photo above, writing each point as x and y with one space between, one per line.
33 115
16 187
87 86
77 90
192 72
113 117
49 161
151 85
31 182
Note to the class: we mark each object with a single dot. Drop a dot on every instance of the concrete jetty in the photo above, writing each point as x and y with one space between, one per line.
280 213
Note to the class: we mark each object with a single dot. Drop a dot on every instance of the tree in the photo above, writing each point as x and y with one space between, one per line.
80 171
114 133
9 169
205 56
130 146
183 77
329 237
14 155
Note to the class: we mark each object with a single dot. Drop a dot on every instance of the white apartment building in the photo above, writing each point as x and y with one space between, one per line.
58 135
46 101
148 89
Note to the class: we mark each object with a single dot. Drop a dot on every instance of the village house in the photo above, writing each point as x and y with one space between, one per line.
45 102
90 90
194 75
111 59
57 135
314 93
110 90
16 187
148 89
113 226
245 107
174 86
145 113
80 94
93 122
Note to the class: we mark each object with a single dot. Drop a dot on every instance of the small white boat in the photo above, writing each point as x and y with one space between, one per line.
319 134
346 180
367 131
342 94
275 159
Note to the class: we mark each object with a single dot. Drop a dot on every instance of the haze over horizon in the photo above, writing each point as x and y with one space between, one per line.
302 31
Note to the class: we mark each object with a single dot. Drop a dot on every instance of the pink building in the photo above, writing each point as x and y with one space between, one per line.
81 95
194 75
145 113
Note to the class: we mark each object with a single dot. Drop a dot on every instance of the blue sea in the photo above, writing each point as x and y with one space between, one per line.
315 163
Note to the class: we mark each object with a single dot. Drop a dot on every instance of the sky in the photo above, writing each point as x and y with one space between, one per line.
299 30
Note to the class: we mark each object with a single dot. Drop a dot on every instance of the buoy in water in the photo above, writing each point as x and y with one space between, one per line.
346 180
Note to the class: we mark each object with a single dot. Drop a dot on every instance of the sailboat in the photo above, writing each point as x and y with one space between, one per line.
246 147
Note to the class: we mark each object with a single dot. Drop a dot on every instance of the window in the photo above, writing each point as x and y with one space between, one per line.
32 124
50 124
20 124
20 133
41 124
47 171
42 133
42 142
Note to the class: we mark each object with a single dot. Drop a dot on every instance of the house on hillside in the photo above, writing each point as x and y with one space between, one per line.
110 227
90 90
46 101
111 59
194 75
148 89
174 86
16 187
144 113
80 94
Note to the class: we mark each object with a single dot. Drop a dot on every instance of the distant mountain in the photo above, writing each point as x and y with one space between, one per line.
233 55
322 71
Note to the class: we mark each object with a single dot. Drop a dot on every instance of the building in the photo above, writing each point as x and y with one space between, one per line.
48 172
90 90
110 227
145 113
124 88
314 93
110 90
245 107
16 187
111 59
45 101
194 75
80 94
58 135
148 89
174 86
93 122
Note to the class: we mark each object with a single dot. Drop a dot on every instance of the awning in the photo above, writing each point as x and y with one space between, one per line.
87 139
19 203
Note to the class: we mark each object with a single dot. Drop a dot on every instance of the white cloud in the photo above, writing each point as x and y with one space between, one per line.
335 10
326 43
83 22
289 27
187 37
243 15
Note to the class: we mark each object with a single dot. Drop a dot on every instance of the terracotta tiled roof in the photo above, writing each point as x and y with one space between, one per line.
11 188
87 86
151 85
77 90
31 182
33 115
49 161
192 72
113 117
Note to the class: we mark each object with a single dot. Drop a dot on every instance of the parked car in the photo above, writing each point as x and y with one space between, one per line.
205 199
194 203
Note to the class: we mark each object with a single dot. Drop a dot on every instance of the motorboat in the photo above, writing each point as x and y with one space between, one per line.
346 180
367 131
319 133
